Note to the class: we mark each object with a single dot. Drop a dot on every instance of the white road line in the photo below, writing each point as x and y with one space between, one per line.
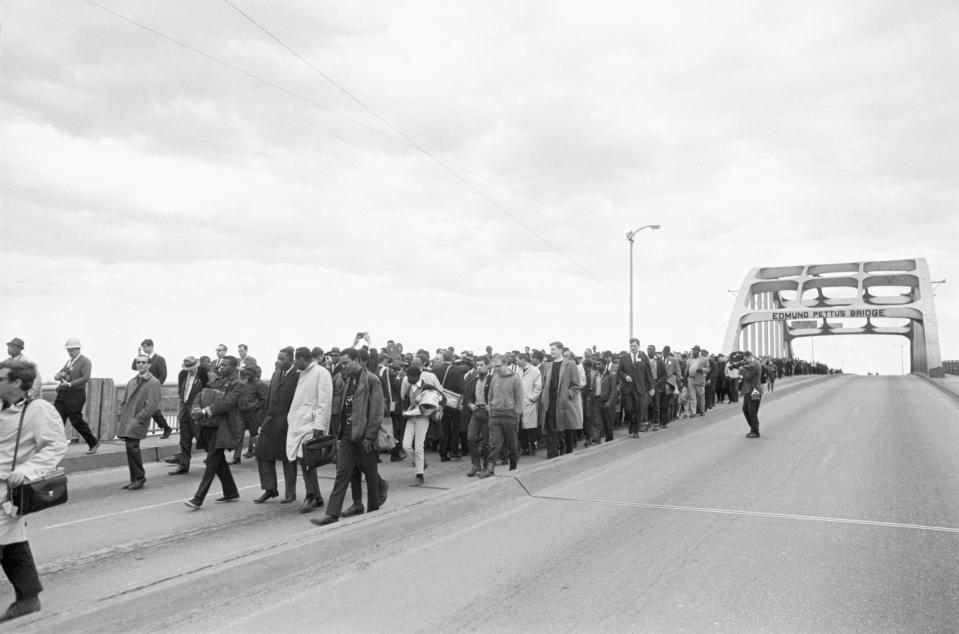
139 508
811 518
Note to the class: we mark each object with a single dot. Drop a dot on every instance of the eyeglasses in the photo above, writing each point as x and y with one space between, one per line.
143 363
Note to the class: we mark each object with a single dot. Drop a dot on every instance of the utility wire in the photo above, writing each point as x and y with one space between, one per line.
412 142
248 74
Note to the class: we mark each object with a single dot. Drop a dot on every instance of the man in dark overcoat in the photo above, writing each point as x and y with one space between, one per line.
271 442
191 380
219 429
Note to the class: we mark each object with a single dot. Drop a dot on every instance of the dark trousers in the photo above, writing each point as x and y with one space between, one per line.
349 456
69 404
216 466
186 435
267 470
310 480
160 420
449 432
732 387
653 410
710 395
478 437
21 570
528 438
503 434
134 459
751 412
634 407
399 428
607 416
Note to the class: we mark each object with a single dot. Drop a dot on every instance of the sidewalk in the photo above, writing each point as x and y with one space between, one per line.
112 453
949 384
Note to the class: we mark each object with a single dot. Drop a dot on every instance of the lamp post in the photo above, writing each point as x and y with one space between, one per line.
630 236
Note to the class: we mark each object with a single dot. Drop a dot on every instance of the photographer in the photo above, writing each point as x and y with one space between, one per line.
733 365
752 392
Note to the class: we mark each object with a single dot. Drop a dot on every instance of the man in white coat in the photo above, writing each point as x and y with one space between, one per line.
42 445
532 380
309 417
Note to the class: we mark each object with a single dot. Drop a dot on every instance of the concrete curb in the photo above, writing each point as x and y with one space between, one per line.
110 459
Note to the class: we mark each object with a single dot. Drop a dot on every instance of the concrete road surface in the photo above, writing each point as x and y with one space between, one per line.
843 517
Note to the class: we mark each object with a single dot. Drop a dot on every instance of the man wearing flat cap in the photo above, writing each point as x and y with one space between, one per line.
15 349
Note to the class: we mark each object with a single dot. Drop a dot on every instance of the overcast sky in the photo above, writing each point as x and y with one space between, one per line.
150 191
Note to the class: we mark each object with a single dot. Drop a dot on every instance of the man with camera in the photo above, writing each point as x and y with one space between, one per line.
752 392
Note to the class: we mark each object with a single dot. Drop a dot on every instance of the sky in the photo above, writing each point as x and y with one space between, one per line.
452 173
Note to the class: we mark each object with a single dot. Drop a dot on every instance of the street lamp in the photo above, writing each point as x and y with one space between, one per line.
630 235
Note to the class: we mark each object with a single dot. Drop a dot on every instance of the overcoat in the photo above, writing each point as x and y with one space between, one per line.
569 404
532 380
225 414
271 443
310 409
140 400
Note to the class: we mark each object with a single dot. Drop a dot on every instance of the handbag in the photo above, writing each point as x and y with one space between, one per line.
42 493
319 451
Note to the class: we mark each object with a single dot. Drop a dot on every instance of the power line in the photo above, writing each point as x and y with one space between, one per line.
246 73
412 142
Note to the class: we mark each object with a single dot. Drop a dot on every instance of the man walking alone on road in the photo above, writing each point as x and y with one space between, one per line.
752 392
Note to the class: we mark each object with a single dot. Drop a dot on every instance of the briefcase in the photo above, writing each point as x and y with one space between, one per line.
42 493
319 451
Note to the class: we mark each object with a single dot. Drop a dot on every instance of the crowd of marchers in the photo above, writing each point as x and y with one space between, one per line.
492 408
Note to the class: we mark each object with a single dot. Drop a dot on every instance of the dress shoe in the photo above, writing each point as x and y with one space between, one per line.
444 458
384 492
266 496
174 459
179 471
92 450
194 504
396 458
355 509
288 498
418 482
136 484
327 519
21 608
473 471
166 433
309 504
228 498
752 435
248 454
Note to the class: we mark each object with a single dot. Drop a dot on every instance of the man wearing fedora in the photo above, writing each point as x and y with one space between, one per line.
191 380
72 382
15 349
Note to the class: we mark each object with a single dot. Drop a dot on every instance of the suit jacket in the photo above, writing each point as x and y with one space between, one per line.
469 396
659 381
200 380
640 373
271 443
245 363
157 367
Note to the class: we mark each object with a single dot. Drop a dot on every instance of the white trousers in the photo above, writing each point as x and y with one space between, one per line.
416 428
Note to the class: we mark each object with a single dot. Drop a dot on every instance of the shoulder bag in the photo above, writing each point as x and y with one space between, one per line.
42 493
452 398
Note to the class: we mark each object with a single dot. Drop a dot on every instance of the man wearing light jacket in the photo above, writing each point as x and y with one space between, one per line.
42 445
309 416
140 400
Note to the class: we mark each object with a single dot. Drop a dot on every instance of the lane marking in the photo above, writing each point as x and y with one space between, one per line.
134 510
810 518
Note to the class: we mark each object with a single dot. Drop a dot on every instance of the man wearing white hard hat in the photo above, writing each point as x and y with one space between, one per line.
72 382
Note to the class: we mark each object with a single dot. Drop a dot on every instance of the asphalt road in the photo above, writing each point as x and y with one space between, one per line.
843 517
